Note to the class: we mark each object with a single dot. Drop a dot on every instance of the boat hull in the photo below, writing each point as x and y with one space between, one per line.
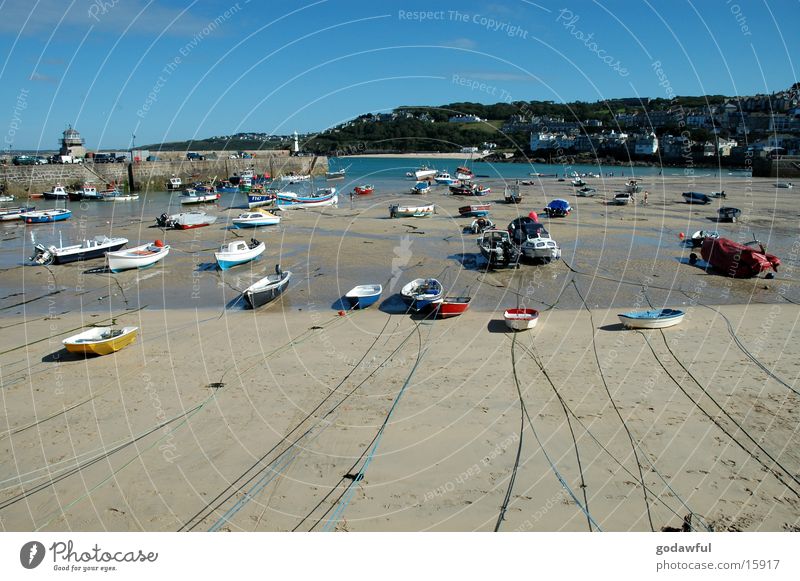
226 260
521 319
256 298
452 307
44 218
129 260
660 319
363 297
88 254
101 346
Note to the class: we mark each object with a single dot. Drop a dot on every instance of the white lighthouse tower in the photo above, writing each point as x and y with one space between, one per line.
296 144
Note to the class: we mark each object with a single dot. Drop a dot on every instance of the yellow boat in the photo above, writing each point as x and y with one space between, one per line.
101 340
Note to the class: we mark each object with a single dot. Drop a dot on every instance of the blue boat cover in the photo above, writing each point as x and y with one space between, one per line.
654 314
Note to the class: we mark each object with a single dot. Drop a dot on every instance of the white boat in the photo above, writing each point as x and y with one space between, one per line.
6 198
120 197
138 257
622 199
238 252
95 247
655 319
255 219
193 197
295 178
533 240
786 185
422 293
321 198
445 179
267 289
363 295
398 211
8 214
185 220
174 183
521 319
422 173
421 188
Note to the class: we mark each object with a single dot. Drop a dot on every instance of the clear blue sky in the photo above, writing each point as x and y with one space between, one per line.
220 67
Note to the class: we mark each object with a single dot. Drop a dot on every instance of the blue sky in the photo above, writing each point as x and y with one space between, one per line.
177 69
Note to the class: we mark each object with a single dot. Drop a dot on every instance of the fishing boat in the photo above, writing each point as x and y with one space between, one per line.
174 183
785 185
476 210
521 319
512 194
422 173
137 257
87 192
57 193
364 295
421 188
728 214
464 173
632 187
653 319
185 220
736 260
196 197
696 240
291 177
696 198
444 179
245 183
255 219
119 197
577 183
586 192
88 249
467 188
558 208
8 214
44 216
398 211
481 224
227 187
100 340
364 190
498 249
533 240
422 293
622 198
238 252
259 196
267 289
337 175
320 198
451 307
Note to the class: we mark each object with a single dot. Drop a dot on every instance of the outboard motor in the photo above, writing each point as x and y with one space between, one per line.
42 256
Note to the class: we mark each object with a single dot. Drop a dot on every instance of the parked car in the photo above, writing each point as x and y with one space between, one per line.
23 160
104 158
121 159
194 156
152 158
40 160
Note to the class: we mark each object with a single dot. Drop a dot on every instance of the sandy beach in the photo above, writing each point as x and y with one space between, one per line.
297 417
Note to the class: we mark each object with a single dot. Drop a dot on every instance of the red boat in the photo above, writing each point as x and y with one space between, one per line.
737 260
363 190
477 210
452 306
467 188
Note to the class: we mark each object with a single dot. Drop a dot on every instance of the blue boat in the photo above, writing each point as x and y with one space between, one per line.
227 187
654 319
238 252
558 208
44 216
422 293
260 199
364 295
696 198
421 188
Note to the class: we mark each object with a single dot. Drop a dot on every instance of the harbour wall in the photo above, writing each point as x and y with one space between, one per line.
150 175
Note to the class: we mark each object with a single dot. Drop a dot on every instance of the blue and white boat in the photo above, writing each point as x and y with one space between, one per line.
445 179
255 219
238 252
696 198
364 295
261 197
320 198
227 187
558 208
422 293
421 188
44 216
654 319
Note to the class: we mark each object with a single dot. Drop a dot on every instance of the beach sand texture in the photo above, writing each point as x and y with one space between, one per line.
294 417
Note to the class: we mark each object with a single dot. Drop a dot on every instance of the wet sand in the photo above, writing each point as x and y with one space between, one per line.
286 403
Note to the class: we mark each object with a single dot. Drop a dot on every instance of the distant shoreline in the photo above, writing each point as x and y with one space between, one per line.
420 154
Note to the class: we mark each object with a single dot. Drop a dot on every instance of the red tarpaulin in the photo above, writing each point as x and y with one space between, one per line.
737 260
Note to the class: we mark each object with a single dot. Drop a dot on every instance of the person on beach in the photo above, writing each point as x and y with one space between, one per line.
644 198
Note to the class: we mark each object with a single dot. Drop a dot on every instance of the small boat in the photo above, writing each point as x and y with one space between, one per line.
467 188
736 260
696 198
464 173
577 183
238 252
422 293
421 188
533 240
452 307
655 319
4 198
91 248
174 183
335 175
398 211
728 214
57 193
521 319
196 197
632 187
586 192
479 225
261 197
364 295
185 220
87 192
477 210
100 340
558 208
363 190
444 179
512 194
118 196
785 185
422 172
498 250
696 240
267 289
543 175
290 177
226 187
8 214
255 219
718 194
622 198
44 216
321 198
137 257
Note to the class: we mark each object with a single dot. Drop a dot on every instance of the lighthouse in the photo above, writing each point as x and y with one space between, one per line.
72 143
296 145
